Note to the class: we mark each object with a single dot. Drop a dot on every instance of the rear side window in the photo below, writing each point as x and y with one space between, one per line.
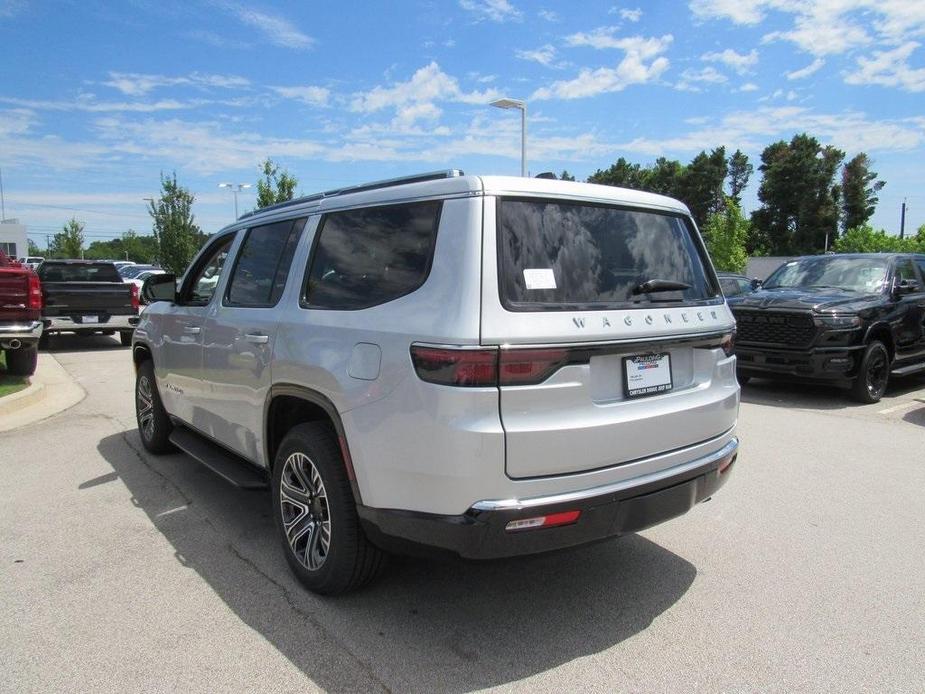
82 272
371 256
262 265
556 255
730 286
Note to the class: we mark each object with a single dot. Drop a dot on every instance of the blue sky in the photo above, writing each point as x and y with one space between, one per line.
96 98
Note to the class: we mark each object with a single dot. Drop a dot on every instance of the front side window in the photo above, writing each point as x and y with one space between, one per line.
905 271
557 255
730 286
201 287
262 265
371 256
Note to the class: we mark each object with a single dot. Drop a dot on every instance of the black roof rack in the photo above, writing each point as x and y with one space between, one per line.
387 183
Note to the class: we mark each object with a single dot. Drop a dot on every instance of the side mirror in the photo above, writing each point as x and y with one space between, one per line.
756 284
906 287
159 288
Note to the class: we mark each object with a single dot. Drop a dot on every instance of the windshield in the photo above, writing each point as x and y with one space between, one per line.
862 275
558 255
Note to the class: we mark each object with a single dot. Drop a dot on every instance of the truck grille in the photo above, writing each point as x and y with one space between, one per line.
775 327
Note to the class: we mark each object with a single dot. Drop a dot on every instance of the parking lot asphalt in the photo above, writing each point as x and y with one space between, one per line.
122 571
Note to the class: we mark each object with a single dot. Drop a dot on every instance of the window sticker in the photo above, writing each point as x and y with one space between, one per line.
539 278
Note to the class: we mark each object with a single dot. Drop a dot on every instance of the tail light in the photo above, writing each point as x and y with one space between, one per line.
486 367
549 521
34 301
728 343
456 367
136 300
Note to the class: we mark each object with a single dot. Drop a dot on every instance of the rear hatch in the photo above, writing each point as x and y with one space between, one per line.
598 368
84 289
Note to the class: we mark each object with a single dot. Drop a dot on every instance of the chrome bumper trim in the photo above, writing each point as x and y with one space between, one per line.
114 323
730 449
20 331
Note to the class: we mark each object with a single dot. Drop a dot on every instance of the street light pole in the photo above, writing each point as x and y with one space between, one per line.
235 188
521 105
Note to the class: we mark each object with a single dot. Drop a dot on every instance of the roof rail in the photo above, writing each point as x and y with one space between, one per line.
386 183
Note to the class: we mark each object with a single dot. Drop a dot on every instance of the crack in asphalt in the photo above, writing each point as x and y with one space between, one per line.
287 596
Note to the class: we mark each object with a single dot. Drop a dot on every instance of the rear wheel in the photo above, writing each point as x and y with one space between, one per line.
154 425
44 340
743 378
316 514
126 338
874 372
22 361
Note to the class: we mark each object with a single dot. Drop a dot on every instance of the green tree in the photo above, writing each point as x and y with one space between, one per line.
799 201
34 250
69 242
865 239
622 173
725 233
740 170
566 176
174 226
274 187
859 188
700 184
131 246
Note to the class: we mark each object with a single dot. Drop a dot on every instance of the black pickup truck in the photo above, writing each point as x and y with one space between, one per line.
86 297
851 320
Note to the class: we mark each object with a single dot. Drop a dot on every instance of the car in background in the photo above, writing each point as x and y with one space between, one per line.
139 279
130 272
121 263
735 285
33 261
852 320
87 297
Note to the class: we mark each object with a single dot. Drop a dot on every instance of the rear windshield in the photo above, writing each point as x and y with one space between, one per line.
83 272
556 255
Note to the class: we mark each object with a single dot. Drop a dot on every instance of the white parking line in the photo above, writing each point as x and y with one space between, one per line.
901 406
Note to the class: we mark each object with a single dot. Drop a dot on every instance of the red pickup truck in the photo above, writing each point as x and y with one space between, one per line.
20 316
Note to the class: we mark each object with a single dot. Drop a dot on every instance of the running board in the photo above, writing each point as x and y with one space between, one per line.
906 370
225 464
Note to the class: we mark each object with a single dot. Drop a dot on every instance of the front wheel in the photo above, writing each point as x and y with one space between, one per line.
874 372
316 516
154 425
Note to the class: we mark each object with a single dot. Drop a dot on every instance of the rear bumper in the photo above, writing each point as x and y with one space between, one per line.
27 332
71 324
828 364
606 511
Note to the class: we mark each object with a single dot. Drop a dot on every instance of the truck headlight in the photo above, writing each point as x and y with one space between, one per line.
838 322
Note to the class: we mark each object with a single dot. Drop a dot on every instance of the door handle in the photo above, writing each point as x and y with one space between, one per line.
191 330
257 338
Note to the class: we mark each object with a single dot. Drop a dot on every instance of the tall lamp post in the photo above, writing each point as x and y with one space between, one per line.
235 188
521 105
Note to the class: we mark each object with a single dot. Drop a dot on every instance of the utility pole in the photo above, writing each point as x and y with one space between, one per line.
2 201
902 220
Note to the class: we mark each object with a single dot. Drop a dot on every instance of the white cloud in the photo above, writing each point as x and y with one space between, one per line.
548 15
631 15
691 78
740 62
749 87
428 84
87 103
641 63
277 30
810 69
739 11
493 10
543 55
313 96
889 69
10 8
139 84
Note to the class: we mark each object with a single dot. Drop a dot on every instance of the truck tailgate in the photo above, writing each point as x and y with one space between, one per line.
78 298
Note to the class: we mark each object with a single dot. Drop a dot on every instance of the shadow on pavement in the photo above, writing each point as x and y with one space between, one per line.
782 393
916 416
425 626
71 342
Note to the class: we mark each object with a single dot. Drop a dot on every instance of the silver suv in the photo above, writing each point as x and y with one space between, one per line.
487 366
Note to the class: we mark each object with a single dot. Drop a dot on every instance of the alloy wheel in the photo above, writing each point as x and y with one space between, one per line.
304 505
145 407
877 373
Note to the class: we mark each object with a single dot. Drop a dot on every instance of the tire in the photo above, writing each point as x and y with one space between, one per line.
313 503
154 426
743 379
22 361
873 373
126 338
44 340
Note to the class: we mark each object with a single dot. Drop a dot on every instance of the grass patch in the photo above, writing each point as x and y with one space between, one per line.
10 384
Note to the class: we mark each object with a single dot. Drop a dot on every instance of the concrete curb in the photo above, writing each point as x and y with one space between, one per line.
30 395
52 391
